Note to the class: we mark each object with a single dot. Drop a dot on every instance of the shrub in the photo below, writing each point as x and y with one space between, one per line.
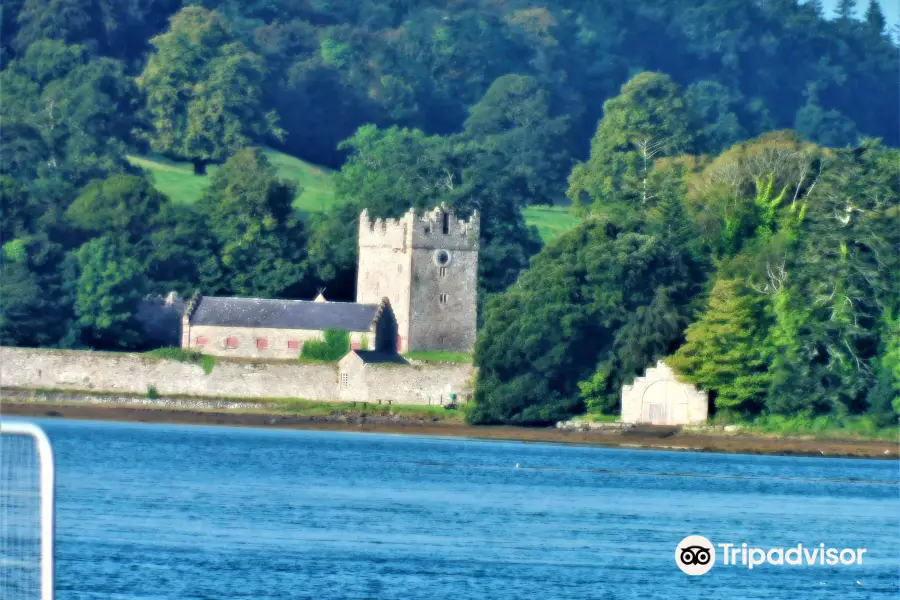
335 345
206 362
152 392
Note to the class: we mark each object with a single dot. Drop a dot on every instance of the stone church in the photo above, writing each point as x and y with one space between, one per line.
416 289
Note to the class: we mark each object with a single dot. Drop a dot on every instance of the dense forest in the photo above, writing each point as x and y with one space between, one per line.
733 164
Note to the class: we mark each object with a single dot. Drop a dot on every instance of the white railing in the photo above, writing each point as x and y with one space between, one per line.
14 463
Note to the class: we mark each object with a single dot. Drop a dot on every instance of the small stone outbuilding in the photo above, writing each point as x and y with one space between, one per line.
378 377
659 398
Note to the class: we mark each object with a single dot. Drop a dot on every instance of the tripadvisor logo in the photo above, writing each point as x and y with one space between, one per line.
696 555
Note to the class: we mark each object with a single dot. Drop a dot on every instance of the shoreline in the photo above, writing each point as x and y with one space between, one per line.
650 438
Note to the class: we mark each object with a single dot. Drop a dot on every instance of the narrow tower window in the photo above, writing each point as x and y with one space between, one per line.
442 298
446 223
443 271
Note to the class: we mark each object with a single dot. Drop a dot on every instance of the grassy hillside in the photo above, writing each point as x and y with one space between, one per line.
177 181
551 221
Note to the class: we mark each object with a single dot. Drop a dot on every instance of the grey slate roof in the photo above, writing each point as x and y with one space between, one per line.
371 357
283 314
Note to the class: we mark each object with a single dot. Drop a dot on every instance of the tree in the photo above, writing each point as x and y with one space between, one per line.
561 322
716 108
21 300
826 128
248 214
649 119
106 27
498 191
726 351
166 240
18 211
68 118
514 118
875 17
124 206
845 9
884 398
837 285
204 90
66 20
34 310
109 288
760 186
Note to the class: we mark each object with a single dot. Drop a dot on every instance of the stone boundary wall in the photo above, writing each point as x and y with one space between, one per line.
110 372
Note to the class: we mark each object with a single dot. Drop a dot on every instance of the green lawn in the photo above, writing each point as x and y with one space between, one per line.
177 180
439 356
311 408
551 221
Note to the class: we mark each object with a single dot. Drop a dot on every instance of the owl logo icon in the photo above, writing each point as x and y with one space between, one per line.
695 555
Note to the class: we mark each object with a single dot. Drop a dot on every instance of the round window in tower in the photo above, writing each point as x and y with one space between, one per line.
441 258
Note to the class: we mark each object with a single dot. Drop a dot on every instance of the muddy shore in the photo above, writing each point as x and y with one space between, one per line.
659 438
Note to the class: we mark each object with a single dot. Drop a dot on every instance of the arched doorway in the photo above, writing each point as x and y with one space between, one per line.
664 403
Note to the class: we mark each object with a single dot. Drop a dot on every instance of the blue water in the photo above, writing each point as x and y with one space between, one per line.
152 511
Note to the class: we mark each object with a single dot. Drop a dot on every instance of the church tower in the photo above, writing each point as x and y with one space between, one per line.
427 267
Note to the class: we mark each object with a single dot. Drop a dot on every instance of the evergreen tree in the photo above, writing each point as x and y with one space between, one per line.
875 17
845 9
726 351
825 127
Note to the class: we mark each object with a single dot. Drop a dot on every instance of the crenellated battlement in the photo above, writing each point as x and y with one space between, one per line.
440 228
390 233
437 228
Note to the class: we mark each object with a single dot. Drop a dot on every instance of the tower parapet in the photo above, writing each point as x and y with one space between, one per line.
385 233
440 228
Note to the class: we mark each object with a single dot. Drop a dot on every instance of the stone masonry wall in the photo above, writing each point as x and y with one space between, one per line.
449 324
86 371
418 384
444 297
384 267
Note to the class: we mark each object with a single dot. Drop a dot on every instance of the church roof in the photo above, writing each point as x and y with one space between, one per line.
283 314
